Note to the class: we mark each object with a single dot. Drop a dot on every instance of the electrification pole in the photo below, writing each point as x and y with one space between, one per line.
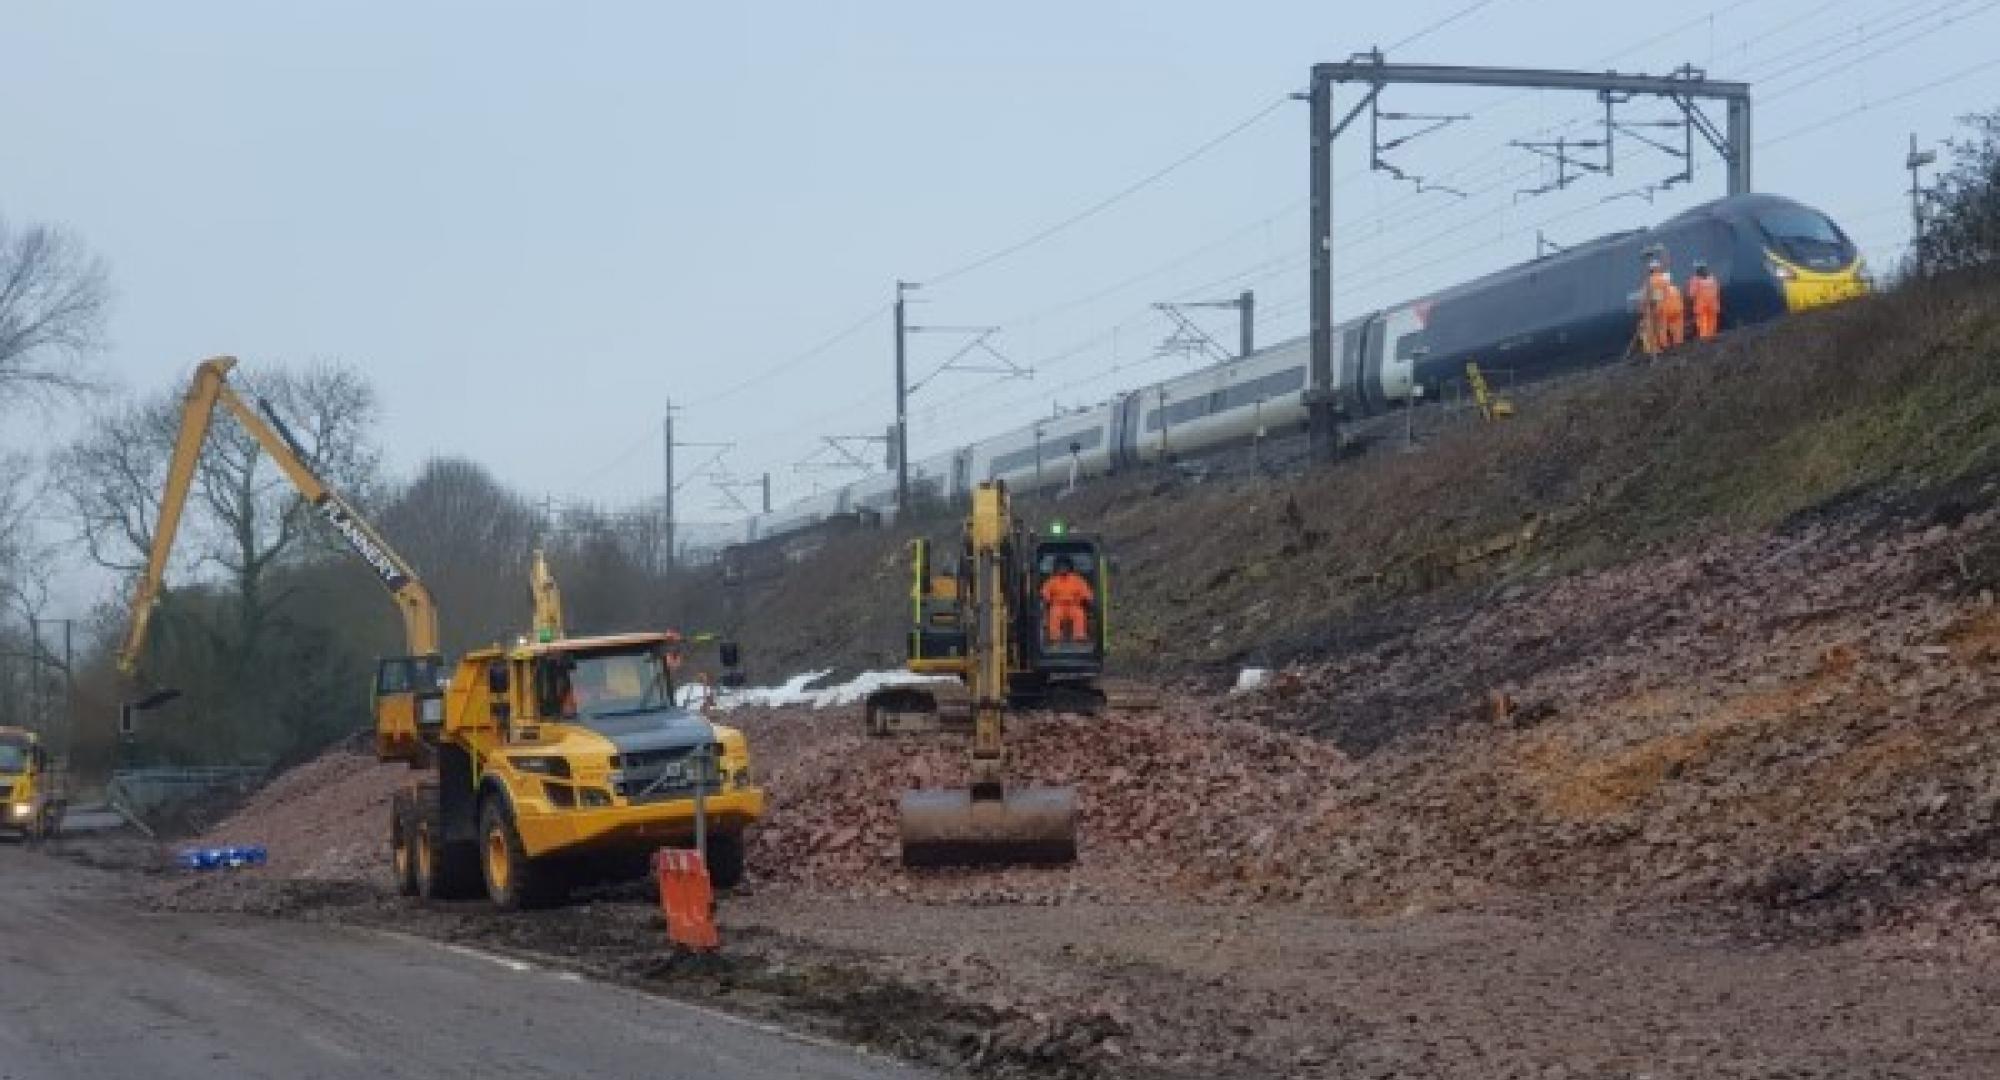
667 465
1246 309
69 689
902 433
1915 162
1322 431
35 672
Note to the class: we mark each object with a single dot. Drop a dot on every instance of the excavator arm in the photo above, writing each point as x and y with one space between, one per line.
989 822
396 733
547 598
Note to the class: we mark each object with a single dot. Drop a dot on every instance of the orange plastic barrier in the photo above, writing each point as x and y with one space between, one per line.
686 898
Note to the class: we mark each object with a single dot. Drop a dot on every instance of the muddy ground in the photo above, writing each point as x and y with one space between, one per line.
1727 812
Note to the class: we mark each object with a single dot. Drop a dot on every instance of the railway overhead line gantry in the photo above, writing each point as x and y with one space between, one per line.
1687 89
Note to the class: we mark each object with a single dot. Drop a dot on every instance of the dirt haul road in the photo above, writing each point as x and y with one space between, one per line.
93 988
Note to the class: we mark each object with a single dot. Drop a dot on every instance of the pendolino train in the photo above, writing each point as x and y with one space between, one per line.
1563 311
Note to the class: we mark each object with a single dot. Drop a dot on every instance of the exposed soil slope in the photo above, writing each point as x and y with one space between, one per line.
1890 393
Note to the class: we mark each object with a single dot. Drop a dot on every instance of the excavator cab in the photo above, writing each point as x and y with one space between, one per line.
1067 605
409 706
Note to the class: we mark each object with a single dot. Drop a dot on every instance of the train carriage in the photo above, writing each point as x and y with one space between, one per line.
1574 308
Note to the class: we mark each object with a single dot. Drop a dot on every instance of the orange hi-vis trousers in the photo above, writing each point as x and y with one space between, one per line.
1068 622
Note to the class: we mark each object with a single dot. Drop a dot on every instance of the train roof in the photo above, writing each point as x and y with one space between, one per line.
1728 208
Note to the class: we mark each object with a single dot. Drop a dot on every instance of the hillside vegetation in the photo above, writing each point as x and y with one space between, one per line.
1885 398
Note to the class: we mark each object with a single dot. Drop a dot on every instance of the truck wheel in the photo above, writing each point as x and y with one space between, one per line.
402 843
514 882
444 871
52 821
725 860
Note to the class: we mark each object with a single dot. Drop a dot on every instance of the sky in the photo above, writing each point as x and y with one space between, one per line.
535 225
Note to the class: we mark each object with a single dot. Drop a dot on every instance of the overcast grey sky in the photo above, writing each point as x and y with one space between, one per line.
532 224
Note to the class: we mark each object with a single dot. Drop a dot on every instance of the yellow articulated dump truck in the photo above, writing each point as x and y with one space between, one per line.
556 759
31 787
543 762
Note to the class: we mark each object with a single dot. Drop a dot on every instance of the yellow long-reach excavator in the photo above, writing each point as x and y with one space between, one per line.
993 622
543 760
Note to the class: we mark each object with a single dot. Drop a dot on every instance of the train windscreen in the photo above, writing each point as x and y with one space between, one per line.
1806 237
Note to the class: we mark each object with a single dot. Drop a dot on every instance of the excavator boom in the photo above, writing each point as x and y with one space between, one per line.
987 823
396 735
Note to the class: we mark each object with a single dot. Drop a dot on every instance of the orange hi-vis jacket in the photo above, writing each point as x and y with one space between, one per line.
1705 294
1066 598
1665 298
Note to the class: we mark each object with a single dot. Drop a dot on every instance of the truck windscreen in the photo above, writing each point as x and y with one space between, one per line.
13 757
606 684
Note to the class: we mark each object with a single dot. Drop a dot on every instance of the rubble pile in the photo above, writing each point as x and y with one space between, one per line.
326 820
1168 797
1797 721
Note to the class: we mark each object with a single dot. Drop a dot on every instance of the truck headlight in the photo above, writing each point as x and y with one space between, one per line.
21 809
743 777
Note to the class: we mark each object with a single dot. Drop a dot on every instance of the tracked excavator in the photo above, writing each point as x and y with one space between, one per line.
541 762
984 621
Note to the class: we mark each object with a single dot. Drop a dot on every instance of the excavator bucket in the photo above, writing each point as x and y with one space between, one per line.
1030 827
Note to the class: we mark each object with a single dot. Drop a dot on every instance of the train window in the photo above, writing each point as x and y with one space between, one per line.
1408 344
1179 412
1802 233
1265 388
1053 449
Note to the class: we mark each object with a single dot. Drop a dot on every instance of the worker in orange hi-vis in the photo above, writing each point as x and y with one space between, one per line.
1672 321
1066 600
1705 296
1650 329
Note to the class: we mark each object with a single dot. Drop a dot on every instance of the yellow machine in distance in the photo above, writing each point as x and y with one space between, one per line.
988 623
548 760
32 794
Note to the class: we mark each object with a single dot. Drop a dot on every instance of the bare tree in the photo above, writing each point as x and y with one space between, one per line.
470 538
1962 210
110 480
253 517
24 590
244 517
53 298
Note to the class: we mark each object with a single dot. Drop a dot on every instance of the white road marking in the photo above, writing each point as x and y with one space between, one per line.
507 962
705 1011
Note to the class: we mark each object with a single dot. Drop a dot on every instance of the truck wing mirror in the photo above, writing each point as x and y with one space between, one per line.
732 654
496 680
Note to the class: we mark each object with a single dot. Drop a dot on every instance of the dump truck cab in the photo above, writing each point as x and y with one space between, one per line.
31 790
575 751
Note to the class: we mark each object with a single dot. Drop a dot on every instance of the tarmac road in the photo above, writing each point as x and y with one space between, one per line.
91 986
